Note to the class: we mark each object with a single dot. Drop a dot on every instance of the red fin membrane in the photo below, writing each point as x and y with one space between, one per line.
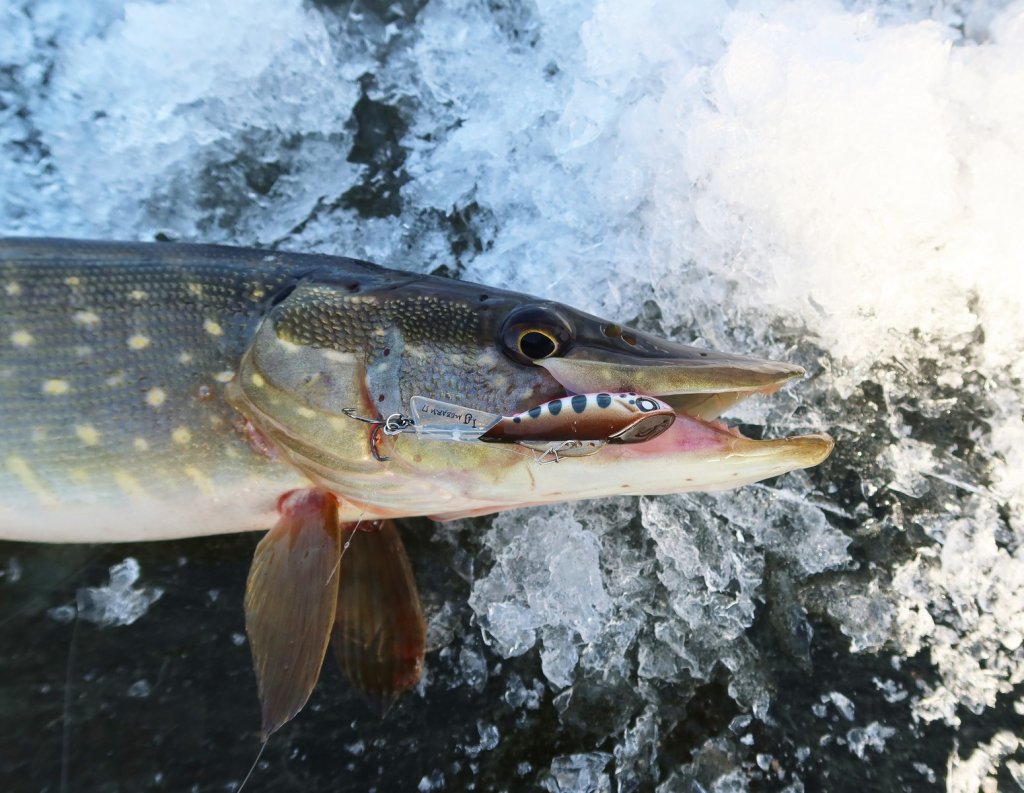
379 634
290 602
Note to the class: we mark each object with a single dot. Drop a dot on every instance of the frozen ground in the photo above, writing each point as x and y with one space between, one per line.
833 184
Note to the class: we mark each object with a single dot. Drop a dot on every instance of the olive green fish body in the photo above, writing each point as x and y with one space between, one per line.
158 390
113 363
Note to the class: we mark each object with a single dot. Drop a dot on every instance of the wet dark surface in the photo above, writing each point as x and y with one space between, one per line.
169 702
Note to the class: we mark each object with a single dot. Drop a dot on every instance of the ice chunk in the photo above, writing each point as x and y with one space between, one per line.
473 664
140 689
489 738
546 582
433 781
558 656
890 690
120 602
977 771
62 614
712 578
977 588
713 769
519 696
873 736
12 571
579 773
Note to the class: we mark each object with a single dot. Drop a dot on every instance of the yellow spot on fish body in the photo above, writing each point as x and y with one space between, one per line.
138 342
155 397
257 380
184 358
56 387
181 435
13 288
224 377
128 484
137 295
212 328
21 338
200 480
88 319
23 471
195 289
72 280
305 412
87 434
141 444
339 424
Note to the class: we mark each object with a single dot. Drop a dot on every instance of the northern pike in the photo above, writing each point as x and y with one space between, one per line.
151 391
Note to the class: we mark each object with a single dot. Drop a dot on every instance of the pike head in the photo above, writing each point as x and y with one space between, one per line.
367 340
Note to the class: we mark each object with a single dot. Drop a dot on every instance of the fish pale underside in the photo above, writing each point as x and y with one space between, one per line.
152 391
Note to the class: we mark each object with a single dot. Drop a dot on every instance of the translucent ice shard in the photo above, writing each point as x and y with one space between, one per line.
579 773
120 602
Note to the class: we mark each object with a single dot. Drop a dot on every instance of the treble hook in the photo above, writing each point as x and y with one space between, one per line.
392 425
375 443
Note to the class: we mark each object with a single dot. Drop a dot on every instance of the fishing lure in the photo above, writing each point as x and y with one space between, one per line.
571 426
613 418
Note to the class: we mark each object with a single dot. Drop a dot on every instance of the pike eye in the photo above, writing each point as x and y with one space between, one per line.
535 344
531 333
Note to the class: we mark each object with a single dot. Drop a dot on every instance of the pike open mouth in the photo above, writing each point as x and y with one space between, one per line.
699 429
699 392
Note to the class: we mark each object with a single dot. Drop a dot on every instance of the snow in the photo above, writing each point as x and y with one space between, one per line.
832 184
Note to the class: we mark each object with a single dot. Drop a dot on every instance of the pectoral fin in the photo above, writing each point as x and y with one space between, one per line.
290 602
379 634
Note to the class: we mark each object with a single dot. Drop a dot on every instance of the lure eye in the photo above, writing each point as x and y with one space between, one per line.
646 405
531 333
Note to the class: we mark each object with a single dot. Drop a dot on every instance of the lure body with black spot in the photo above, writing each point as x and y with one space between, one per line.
615 418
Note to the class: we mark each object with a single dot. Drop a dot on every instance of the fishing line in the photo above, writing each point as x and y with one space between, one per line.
348 542
252 768
65 745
